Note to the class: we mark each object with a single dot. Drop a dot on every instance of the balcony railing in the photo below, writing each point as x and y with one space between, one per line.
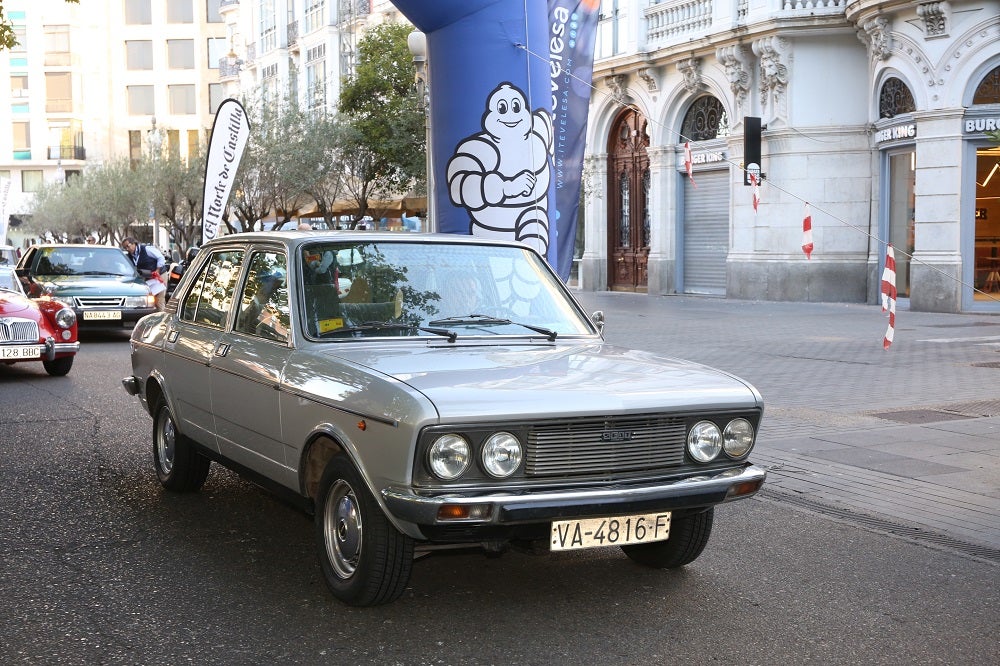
67 153
229 67
674 21
225 4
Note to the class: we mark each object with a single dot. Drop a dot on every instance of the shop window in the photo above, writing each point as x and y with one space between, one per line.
988 91
706 119
894 99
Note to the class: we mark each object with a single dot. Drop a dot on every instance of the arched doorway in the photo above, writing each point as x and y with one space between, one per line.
628 197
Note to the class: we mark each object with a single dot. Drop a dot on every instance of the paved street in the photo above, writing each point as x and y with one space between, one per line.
905 440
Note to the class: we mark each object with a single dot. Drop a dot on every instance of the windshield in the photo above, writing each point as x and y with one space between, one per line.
9 281
365 289
96 261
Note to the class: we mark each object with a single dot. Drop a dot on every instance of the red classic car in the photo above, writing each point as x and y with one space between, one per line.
35 330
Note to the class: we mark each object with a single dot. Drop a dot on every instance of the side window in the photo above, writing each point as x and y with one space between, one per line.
211 295
264 301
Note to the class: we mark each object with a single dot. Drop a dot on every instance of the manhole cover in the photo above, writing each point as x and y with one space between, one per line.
914 416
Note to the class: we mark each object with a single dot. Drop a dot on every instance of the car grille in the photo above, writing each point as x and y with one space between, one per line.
18 330
100 301
605 445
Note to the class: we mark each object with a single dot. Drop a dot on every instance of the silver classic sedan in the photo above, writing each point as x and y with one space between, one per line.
415 392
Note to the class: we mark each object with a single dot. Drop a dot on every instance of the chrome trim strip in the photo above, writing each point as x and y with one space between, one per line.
419 510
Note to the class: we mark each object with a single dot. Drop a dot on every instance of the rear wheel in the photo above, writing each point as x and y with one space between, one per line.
178 464
365 560
688 537
59 367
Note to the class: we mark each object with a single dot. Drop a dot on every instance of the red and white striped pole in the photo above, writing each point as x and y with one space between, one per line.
889 294
807 233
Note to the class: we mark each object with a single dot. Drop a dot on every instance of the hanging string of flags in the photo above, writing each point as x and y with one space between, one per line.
687 163
889 294
807 233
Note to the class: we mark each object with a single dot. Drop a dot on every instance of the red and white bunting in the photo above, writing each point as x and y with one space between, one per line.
807 233
889 294
688 162
755 189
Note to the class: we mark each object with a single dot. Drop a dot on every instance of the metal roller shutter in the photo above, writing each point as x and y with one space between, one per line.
706 233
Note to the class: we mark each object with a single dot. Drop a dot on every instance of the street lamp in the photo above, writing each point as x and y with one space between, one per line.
417 43
155 139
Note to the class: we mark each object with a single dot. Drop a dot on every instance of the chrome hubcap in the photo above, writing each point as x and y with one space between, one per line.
342 529
165 443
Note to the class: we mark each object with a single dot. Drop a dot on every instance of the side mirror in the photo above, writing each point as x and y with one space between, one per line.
598 318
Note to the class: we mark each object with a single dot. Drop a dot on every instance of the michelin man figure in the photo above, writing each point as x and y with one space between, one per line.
501 175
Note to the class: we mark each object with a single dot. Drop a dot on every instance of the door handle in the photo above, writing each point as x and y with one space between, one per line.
222 349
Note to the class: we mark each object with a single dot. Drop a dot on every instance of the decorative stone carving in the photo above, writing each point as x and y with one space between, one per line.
690 69
648 74
618 84
773 75
878 36
737 64
935 16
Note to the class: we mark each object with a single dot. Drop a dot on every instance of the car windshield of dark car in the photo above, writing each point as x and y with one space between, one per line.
93 261
379 289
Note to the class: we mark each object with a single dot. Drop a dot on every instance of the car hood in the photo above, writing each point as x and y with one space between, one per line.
91 285
16 305
533 380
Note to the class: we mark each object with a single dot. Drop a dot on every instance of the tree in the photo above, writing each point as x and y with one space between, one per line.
8 38
177 189
383 109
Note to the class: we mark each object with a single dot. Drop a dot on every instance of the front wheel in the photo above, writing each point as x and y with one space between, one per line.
178 464
59 367
688 537
365 560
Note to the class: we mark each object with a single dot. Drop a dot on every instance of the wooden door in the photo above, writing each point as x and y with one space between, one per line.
628 212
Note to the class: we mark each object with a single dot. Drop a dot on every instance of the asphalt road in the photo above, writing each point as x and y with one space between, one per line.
99 566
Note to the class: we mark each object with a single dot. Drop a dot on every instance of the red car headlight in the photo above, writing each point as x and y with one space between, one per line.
65 318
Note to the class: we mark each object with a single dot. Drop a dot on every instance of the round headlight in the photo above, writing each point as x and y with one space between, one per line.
704 441
501 455
65 318
737 439
448 457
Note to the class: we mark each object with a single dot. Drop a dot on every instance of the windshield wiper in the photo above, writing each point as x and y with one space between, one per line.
100 273
487 320
389 325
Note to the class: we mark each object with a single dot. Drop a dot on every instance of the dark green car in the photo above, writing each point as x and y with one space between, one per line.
99 282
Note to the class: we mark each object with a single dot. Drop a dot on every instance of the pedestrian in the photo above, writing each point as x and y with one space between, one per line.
150 263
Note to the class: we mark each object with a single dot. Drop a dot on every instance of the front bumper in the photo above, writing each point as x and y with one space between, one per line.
532 506
48 350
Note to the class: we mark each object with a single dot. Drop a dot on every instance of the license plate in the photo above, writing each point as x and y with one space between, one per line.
20 352
614 531
102 314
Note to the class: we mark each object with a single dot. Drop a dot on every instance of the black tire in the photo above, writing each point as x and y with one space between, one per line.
365 560
179 466
688 537
59 367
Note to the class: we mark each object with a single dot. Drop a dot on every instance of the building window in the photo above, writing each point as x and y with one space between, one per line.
140 100
704 120
212 14
216 95
139 54
31 180
174 143
19 86
895 99
217 49
314 15
138 12
988 91
21 36
316 84
268 30
58 92
182 11
182 99
180 53
194 143
22 139
57 45
134 147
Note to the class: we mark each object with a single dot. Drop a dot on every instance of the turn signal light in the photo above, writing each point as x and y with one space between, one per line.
455 512
745 488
